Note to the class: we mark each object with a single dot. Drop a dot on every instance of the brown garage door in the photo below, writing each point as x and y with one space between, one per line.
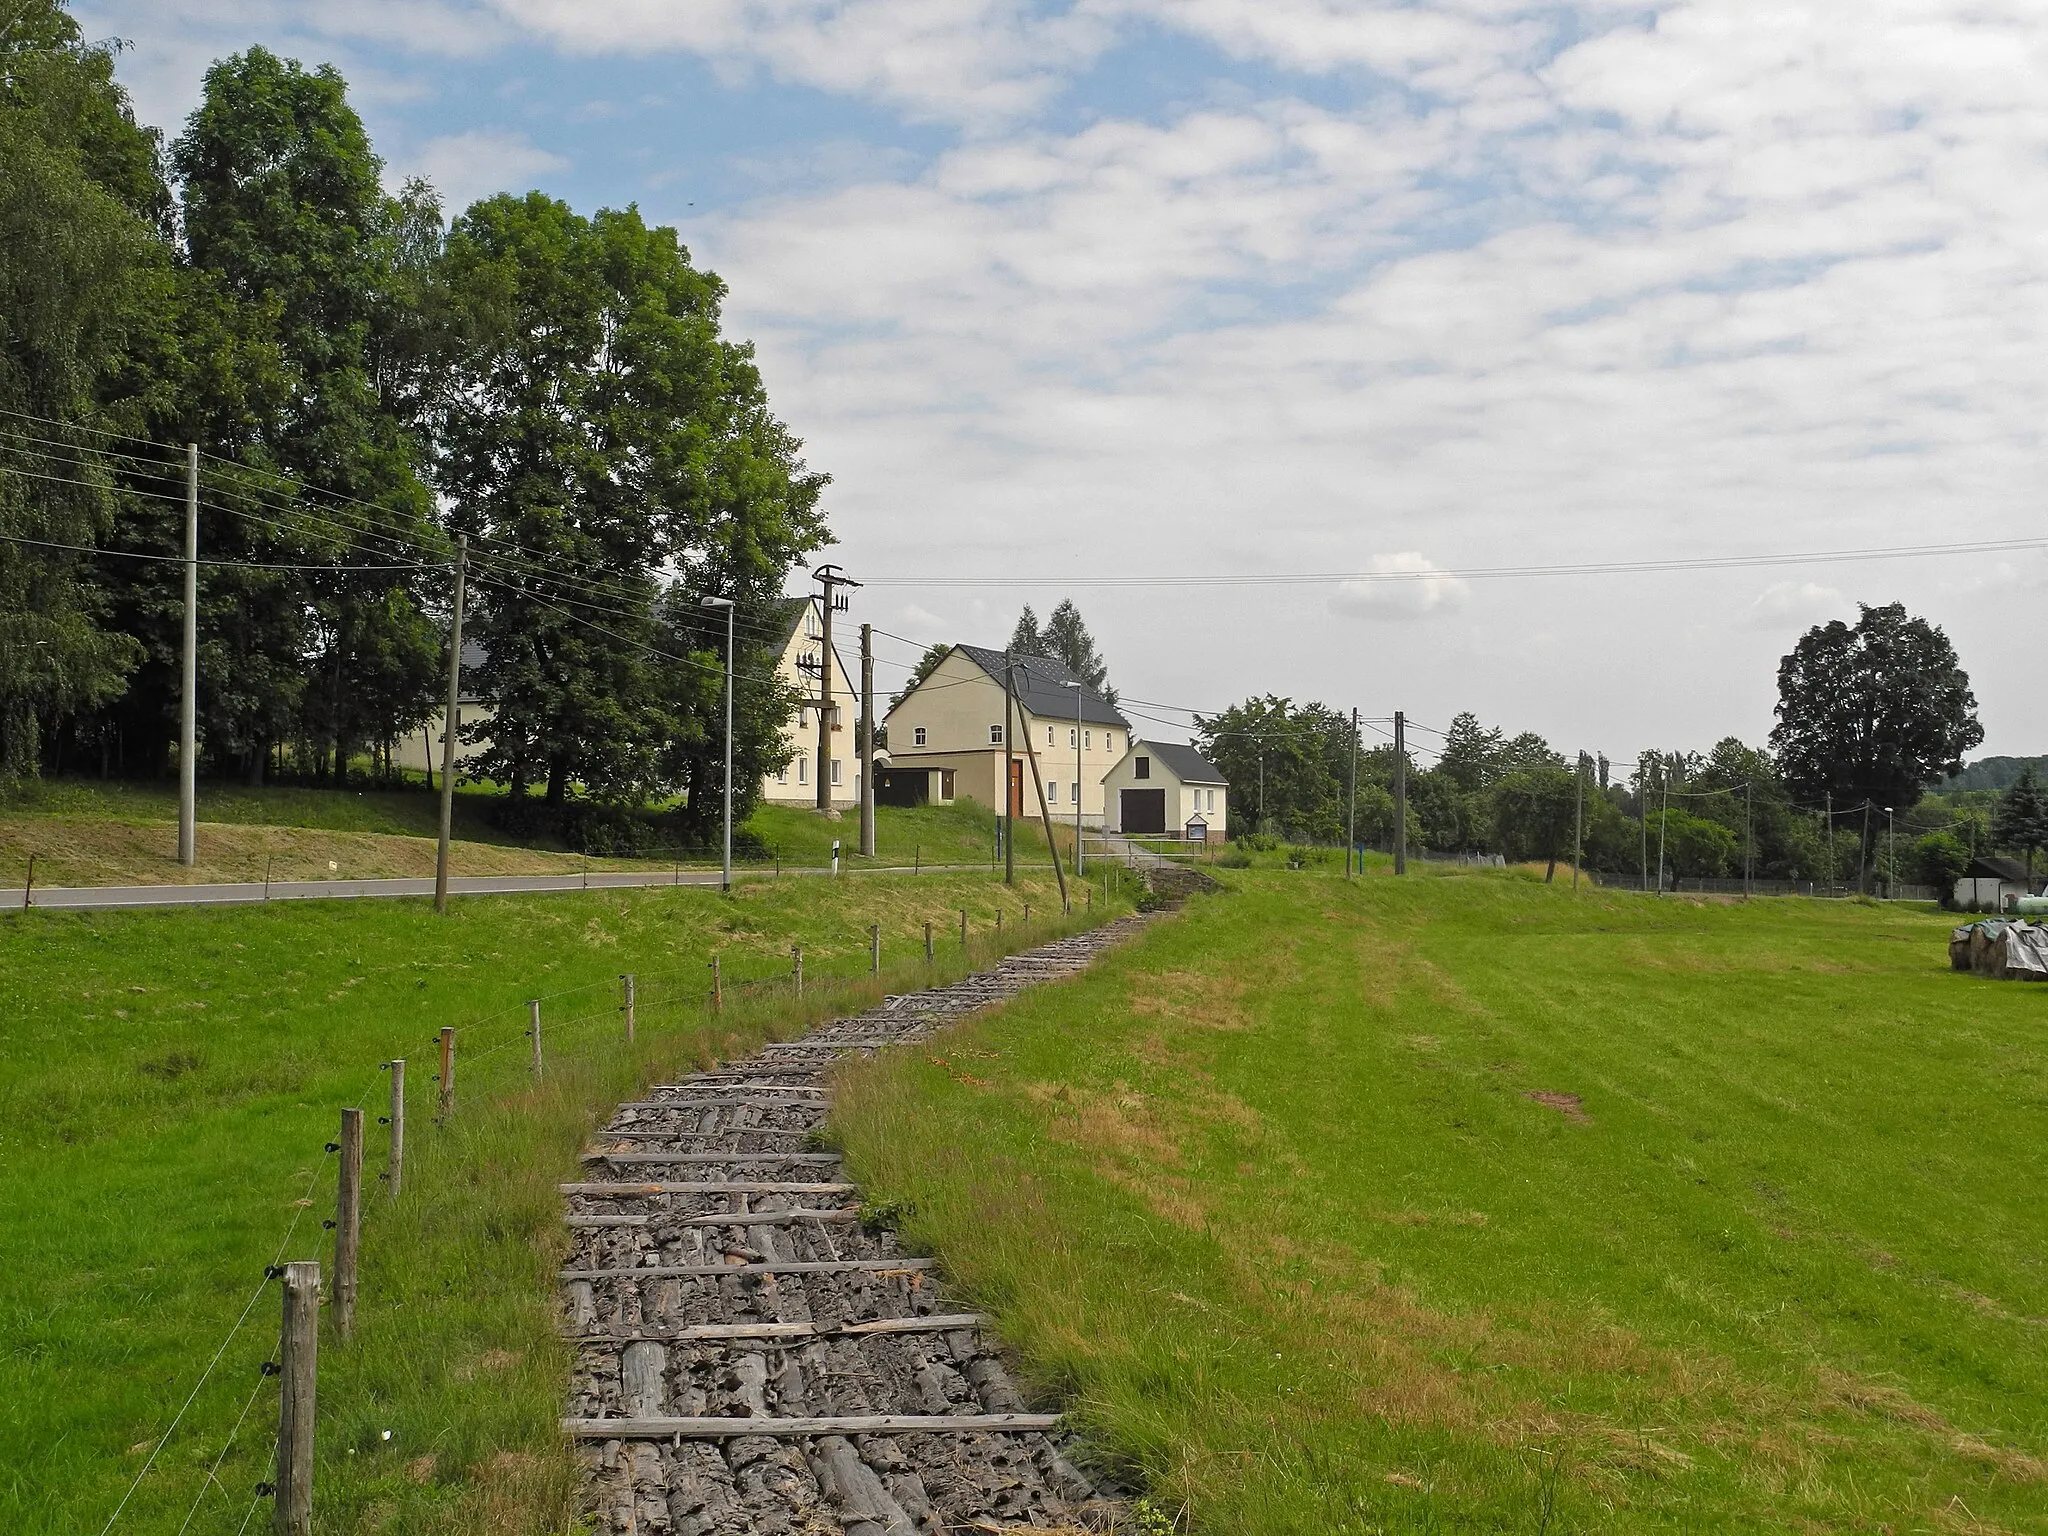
1144 810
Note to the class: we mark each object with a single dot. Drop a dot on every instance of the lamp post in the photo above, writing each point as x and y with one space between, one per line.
731 608
1075 684
1891 858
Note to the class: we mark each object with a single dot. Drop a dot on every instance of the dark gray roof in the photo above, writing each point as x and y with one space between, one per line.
1985 867
1042 687
1182 761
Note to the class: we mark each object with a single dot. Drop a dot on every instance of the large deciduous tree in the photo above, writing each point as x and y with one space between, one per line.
602 440
1875 711
1295 757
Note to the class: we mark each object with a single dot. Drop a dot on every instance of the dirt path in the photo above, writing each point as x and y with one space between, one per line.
753 1359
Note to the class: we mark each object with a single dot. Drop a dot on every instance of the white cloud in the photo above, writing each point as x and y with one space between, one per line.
1411 587
1785 606
466 166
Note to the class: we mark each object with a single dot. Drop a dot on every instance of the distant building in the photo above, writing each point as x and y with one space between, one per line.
802 655
950 727
1988 884
1165 788
420 750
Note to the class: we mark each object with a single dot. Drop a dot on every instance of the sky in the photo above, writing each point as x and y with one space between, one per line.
1065 290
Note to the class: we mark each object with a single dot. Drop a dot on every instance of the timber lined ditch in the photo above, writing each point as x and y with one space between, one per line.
752 1359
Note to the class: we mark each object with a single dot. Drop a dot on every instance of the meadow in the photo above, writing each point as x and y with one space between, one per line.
1465 1203
168 1081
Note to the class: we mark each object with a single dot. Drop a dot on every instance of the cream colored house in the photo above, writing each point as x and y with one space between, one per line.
1165 788
952 724
803 646
420 750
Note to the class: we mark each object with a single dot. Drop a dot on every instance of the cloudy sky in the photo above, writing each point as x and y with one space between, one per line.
1064 290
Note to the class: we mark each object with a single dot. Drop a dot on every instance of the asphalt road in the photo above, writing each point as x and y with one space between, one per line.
245 893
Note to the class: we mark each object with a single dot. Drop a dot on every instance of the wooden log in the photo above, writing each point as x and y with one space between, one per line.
298 1372
735 1099
705 1187
864 1424
803 1267
716 1219
709 1157
737 1085
394 1171
938 1323
447 1109
348 1222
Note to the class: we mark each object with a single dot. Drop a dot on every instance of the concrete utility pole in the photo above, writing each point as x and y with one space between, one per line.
1748 843
731 608
450 721
1579 820
1351 804
188 700
1400 793
829 579
1663 825
867 741
1009 769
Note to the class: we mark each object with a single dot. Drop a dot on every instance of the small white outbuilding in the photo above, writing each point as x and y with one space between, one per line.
1167 789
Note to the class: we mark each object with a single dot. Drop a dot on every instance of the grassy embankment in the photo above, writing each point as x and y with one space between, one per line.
1461 1203
86 832
167 1082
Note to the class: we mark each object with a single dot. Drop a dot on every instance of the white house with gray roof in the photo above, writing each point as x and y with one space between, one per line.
1167 789
947 741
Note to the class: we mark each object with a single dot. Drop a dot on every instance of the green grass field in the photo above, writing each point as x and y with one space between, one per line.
168 1080
1462 1203
88 832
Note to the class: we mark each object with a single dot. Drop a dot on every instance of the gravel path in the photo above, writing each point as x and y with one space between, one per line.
752 1359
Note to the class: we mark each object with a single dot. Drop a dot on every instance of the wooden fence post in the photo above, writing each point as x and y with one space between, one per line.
533 1029
875 948
631 1000
796 953
963 927
1027 914
447 1111
999 925
394 1172
298 1372
717 987
348 1222
927 943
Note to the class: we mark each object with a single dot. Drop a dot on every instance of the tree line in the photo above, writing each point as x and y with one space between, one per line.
367 379
1870 716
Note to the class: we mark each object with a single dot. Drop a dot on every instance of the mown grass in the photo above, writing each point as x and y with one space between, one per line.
1460 1203
168 1081
86 832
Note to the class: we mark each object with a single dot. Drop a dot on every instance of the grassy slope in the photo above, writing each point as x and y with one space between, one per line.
1269 1192
90 833
167 1080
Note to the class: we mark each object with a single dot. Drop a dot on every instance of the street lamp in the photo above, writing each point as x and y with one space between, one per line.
1075 684
731 608
1891 858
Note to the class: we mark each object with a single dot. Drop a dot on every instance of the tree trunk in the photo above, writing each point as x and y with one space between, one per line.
257 758
558 782
1550 870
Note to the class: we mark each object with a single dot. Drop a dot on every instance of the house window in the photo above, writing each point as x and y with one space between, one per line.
1209 799
1109 740
1077 794
837 763
782 774
803 770
917 736
1048 736
1088 740
995 735
1070 737
803 717
1142 768
1052 791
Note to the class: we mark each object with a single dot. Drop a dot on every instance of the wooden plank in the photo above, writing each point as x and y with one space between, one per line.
865 1424
714 1219
705 1187
715 1157
799 1267
670 1133
754 1103
740 1081
939 1323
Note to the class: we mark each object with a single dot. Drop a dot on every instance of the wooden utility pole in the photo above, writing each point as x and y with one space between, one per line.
1351 804
188 694
394 1171
1400 793
1045 815
348 1222
630 1006
447 1106
449 721
1009 771
298 1358
867 741
830 580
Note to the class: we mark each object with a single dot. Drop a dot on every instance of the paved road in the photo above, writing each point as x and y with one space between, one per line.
243 893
